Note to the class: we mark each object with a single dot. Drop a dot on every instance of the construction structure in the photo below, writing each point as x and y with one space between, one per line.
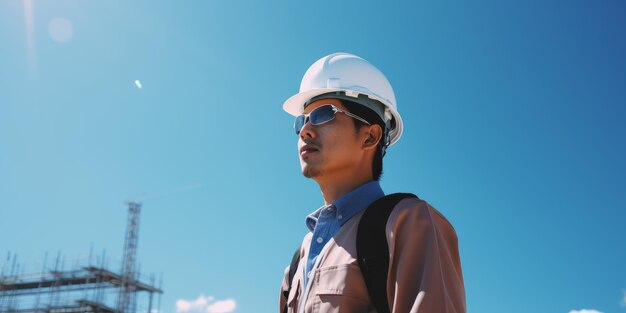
84 288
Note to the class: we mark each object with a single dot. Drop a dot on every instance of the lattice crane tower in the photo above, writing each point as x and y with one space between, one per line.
127 298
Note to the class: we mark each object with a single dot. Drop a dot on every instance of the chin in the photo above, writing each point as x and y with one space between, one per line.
310 172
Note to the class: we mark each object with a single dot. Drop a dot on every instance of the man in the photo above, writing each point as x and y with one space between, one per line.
346 117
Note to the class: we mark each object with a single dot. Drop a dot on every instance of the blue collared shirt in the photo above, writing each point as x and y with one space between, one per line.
326 221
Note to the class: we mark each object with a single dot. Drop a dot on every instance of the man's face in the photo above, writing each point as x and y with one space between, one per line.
331 148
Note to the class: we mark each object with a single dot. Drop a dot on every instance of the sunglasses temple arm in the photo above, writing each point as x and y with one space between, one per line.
356 117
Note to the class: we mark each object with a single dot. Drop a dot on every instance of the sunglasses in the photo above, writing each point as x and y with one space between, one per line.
321 115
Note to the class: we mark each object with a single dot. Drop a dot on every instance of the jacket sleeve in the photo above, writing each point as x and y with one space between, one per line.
283 287
424 267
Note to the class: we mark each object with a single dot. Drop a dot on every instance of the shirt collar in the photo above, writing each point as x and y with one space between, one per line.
350 204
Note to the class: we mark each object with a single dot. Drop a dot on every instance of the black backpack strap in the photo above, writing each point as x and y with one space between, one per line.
293 267
372 249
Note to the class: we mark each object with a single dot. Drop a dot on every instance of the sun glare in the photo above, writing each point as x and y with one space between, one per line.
30 35
61 30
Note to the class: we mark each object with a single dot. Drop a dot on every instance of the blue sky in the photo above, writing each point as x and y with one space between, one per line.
514 129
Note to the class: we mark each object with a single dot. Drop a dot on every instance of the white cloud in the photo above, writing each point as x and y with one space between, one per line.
223 306
138 84
205 304
623 302
199 304
584 311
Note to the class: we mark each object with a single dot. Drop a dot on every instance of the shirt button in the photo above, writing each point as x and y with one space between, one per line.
339 216
320 239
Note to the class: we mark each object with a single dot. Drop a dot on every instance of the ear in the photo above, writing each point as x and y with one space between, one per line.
373 135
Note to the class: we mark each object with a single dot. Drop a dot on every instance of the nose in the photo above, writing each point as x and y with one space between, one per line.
308 130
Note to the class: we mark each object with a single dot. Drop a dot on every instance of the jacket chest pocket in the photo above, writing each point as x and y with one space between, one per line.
341 288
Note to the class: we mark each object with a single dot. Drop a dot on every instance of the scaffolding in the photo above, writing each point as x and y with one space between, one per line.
84 288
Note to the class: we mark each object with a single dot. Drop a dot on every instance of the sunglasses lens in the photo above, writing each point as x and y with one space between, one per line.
322 115
318 116
299 123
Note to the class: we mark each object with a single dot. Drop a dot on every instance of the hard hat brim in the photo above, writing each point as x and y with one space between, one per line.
295 104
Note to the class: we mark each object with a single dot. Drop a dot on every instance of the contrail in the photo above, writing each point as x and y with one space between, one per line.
172 192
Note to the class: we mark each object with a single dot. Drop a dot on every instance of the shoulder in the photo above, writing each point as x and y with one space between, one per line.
413 214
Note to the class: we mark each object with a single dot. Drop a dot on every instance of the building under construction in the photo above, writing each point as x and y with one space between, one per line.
83 288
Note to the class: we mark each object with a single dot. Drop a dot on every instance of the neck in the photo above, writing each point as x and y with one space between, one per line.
333 188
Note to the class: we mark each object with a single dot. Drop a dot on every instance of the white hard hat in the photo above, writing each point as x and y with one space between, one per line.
349 75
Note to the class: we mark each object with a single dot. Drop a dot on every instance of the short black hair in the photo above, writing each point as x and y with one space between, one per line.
373 118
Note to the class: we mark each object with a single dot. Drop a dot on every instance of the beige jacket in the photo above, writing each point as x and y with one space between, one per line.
424 267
